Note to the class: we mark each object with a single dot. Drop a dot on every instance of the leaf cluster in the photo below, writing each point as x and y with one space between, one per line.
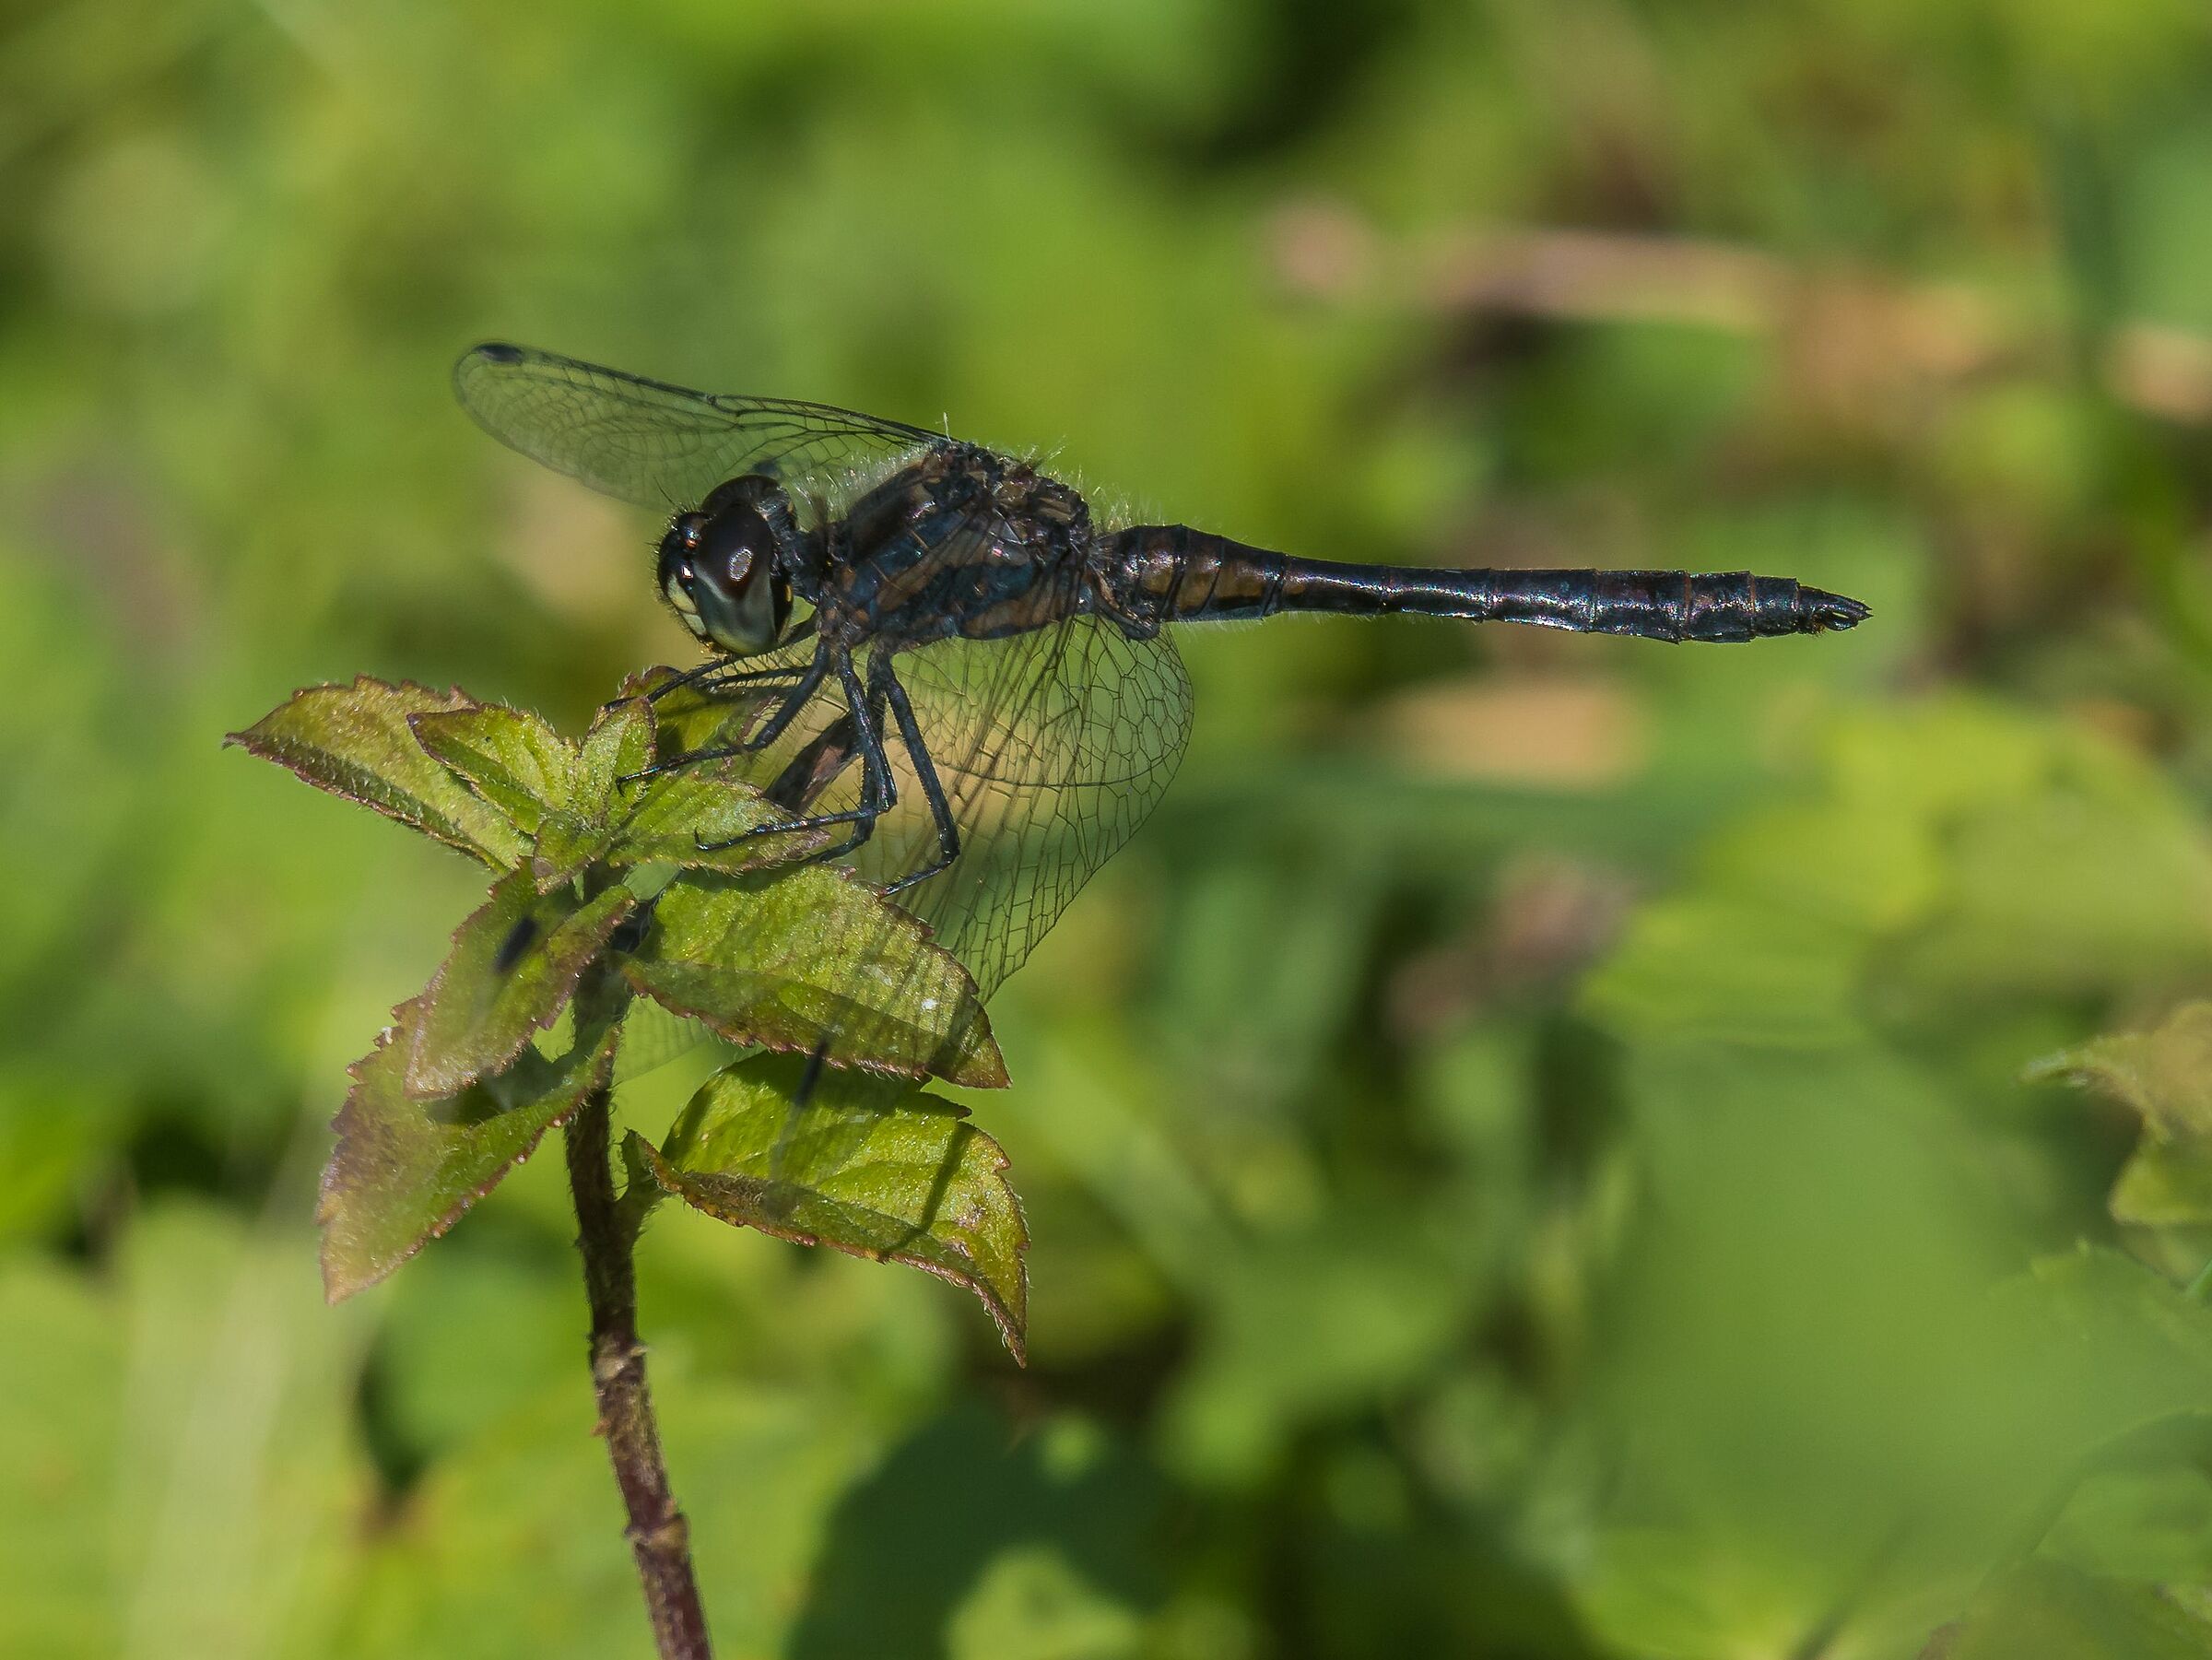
616 882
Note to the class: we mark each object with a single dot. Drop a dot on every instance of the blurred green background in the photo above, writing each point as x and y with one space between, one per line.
1526 1151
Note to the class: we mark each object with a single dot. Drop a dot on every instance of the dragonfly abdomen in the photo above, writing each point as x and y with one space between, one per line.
1172 573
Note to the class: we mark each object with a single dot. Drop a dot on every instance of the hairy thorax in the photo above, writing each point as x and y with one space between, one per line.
962 541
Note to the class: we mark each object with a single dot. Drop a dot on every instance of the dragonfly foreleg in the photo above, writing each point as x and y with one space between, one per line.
796 699
802 692
883 683
711 684
878 792
690 676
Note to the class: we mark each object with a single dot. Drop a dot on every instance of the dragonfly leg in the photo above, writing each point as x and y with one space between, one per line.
717 669
886 684
798 698
711 684
690 676
878 793
1109 605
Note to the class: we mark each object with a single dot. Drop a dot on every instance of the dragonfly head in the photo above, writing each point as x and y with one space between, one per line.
722 572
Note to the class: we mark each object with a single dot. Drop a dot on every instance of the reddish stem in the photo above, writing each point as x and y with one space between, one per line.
659 1538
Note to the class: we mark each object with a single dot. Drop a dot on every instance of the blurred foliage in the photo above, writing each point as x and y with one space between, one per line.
1526 1154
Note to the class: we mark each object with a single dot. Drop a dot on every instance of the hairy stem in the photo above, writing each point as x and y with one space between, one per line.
606 1232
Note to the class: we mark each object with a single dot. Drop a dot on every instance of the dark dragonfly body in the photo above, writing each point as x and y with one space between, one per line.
984 655
904 568
1172 573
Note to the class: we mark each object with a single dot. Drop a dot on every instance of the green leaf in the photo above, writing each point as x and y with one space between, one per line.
711 804
866 1167
714 801
2165 1076
2115 1345
512 967
507 756
783 961
618 744
686 719
406 1168
2044 1611
355 741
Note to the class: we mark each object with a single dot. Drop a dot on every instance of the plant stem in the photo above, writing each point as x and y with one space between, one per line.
658 1535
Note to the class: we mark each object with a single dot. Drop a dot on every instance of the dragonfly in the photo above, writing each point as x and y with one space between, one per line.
942 657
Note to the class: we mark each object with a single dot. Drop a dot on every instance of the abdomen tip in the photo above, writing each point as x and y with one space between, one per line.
1824 612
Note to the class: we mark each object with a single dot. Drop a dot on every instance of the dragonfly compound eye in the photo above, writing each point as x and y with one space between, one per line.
676 573
732 582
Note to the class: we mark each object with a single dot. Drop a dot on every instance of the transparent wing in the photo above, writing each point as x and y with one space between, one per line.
1052 747
663 446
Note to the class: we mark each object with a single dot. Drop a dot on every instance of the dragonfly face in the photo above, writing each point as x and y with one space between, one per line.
722 570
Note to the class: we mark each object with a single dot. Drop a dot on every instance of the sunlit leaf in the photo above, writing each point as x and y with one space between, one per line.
2165 1075
510 973
677 812
509 755
618 745
865 1166
686 719
782 961
406 1168
355 741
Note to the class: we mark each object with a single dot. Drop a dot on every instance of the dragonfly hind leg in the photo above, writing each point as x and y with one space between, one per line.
885 684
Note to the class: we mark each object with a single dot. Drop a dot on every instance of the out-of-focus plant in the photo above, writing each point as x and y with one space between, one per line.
616 881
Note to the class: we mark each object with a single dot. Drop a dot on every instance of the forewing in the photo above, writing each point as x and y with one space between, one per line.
665 446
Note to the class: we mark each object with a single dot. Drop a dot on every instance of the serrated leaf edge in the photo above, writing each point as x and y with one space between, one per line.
1012 1329
599 1072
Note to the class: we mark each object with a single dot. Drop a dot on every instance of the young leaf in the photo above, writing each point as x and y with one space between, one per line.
2165 1076
355 741
687 720
507 756
678 811
511 970
618 744
776 961
868 1167
406 1168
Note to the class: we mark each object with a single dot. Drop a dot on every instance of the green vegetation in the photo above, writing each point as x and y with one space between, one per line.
1542 1145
